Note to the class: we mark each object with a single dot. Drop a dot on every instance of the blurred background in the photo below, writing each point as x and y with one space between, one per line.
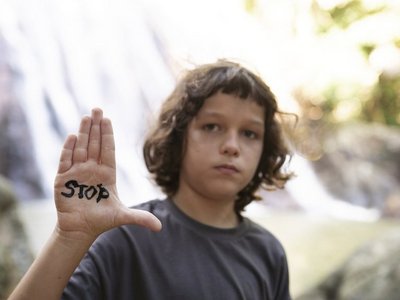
334 63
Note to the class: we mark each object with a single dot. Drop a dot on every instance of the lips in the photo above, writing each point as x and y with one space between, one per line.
227 169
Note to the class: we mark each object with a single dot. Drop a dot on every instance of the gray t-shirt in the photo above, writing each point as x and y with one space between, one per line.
186 260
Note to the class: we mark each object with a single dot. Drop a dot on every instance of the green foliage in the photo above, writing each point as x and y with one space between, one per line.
380 105
374 97
366 49
342 16
331 100
384 104
250 5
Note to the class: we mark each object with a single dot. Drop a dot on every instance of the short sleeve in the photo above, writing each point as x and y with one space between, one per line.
282 289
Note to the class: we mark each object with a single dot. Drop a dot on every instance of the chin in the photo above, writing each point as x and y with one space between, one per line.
229 196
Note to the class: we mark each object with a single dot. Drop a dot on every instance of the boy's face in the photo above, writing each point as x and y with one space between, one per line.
224 143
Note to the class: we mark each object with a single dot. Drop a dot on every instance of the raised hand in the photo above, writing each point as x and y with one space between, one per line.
87 204
85 186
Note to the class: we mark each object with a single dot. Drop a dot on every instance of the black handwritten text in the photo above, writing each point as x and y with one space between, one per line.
85 191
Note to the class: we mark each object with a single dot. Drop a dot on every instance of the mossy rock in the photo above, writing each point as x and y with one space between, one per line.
371 273
15 252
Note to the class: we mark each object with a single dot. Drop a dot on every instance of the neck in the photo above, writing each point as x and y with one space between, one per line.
220 214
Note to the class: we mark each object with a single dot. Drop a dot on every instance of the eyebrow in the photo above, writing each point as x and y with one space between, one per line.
254 121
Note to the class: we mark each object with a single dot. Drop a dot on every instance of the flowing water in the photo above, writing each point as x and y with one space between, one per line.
65 57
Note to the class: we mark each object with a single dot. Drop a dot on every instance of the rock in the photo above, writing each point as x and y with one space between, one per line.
15 253
371 273
361 165
17 161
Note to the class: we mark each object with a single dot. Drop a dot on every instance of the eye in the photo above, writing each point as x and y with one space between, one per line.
250 134
211 127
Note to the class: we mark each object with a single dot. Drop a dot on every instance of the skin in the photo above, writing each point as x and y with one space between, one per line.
88 158
224 143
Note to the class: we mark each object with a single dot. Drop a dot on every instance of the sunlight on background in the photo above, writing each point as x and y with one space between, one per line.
332 62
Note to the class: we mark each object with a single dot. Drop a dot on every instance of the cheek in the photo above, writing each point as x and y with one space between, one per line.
198 142
254 150
194 149
254 158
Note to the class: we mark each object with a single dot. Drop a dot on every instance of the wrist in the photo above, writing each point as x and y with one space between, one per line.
72 239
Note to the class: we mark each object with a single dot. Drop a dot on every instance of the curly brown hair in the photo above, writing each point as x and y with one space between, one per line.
164 147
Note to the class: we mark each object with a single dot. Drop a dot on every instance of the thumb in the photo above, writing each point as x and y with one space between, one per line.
138 217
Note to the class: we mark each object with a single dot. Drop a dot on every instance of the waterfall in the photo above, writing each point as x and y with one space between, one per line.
69 56
65 57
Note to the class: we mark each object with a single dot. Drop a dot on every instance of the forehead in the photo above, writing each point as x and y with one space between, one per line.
231 105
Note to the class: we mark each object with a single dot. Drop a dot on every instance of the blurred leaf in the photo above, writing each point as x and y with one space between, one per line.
366 49
343 15
250 5
384 104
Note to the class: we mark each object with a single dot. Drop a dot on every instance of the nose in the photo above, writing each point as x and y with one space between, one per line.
230 145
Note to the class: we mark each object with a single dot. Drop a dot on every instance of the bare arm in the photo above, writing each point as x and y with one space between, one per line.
87 204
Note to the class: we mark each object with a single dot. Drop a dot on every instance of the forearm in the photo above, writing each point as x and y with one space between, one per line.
86 160
51 270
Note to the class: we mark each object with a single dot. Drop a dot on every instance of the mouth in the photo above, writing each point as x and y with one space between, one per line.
227 169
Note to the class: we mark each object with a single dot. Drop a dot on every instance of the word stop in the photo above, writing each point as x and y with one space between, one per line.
85 191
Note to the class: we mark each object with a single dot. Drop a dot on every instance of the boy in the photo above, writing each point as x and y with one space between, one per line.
216 142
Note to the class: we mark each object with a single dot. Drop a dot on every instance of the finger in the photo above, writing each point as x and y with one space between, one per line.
107 143
80 150
66 154
94 135
139 217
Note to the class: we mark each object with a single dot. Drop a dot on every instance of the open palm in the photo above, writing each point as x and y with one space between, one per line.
85 186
